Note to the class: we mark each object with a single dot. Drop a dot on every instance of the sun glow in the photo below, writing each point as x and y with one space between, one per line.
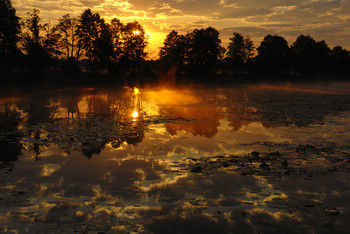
136 32
136 91
135 114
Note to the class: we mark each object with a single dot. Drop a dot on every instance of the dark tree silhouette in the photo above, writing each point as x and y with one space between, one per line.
340 59
274 54
51 38
34 43
96 39
240 51
103 46
117 38
88 34
174 48
9 33
121 48
68 42
133 46
205 50
310 55
173 54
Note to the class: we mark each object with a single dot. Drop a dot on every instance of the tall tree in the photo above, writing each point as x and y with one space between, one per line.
95 37
310 55
9 32
51 39
103 45
173 54
33 41
174 48
205 50
133 45
240 51
340 58
88 33
274 54
117 28
68 41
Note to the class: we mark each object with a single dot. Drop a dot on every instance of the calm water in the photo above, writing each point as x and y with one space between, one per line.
171 159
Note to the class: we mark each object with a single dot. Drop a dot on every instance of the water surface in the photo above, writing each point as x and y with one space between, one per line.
183 159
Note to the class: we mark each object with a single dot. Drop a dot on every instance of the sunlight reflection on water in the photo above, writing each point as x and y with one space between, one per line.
160 158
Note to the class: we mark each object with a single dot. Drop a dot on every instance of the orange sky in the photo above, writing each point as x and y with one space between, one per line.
327 20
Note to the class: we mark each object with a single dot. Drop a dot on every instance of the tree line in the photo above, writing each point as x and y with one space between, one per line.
89 44
201 52
88 39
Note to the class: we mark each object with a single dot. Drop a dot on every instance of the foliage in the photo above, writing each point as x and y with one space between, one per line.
117 28
240 51
274 54
9 33
104 43
133 46
88 40
174 48
204 50
33 42
88 32
310 55
340 59
9 28
68 41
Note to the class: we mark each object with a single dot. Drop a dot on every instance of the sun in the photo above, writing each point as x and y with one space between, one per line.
135 114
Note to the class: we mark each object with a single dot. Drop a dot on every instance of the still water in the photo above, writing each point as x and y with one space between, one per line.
176 159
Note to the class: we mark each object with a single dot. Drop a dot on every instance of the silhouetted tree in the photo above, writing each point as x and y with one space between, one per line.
274 54
68 41
310 55
174 48
103 45
173 53
117 37
240 51
95 37
133 46
205 50
340 59
33 42
9 33
50 40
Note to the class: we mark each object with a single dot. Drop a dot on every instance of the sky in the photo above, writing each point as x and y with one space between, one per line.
327 20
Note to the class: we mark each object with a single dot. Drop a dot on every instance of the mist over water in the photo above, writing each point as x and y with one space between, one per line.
169 158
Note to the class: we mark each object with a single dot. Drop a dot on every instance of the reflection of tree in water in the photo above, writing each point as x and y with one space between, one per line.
240 108
75 121
206 120
109 116
106 118
10 146
71 103
235 107
39 110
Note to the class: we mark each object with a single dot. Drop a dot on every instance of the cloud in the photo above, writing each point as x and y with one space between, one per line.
320 18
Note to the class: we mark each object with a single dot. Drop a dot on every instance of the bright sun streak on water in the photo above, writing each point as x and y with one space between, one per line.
136 91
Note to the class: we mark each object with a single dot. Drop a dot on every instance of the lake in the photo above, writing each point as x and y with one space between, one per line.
176 159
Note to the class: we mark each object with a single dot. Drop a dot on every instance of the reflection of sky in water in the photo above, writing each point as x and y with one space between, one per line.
81 161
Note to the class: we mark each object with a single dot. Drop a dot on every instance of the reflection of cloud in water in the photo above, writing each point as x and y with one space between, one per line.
137 176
